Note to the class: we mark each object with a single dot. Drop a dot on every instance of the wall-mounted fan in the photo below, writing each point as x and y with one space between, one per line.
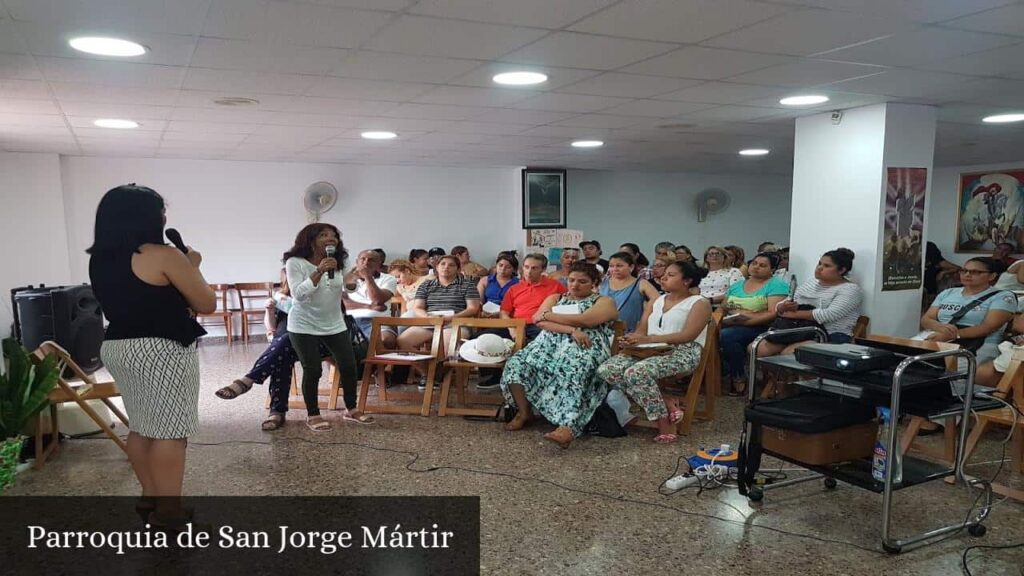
710 201
318 198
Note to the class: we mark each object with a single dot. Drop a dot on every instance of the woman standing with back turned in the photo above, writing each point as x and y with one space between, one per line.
146 290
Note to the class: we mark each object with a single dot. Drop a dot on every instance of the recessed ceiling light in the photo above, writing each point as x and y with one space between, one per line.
520 78
754 152
379 135
805 100
587 144
1003 118
107 46
116 123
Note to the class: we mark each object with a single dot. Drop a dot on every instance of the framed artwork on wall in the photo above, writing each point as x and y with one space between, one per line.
990 210
543 198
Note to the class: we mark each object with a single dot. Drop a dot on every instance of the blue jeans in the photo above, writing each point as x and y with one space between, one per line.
839 338
734 341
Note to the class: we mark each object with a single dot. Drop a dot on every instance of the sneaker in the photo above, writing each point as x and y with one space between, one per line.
422 386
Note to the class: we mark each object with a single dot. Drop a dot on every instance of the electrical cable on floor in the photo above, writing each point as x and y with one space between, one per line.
964 560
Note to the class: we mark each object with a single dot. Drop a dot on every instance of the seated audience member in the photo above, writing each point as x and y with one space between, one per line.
750 308
592 254
641 263
275 362
471 270
493 288
683 253
783 270
368 293
1013 278
383 255
767 247
1002 253
989 373
556 373
522 301
937 272
658 268
720 276
629 293
989 309
408 280
569 257
420 261
433 255
677 319
449 296
664 248
835 300
738 259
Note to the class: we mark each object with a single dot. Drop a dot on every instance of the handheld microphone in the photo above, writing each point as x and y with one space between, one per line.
175 237
330 254
792 287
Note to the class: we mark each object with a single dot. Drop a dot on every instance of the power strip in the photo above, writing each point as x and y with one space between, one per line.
681 481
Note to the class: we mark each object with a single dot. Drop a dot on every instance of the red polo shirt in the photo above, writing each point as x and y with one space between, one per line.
524 299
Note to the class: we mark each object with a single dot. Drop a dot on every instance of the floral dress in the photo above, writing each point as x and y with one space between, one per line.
559 376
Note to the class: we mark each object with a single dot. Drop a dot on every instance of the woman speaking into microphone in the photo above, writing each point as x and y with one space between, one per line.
316 316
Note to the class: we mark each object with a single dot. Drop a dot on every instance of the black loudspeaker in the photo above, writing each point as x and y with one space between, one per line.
69 315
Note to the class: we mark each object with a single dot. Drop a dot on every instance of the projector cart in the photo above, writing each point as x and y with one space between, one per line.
858 473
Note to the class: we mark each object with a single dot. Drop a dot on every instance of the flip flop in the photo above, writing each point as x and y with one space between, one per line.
361 419
233 390
665 438
318 424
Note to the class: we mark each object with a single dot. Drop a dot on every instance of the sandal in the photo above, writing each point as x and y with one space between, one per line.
317 424
665 438
273 422
357 417
233 390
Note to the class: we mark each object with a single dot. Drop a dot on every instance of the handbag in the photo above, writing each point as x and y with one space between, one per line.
976 342
781 323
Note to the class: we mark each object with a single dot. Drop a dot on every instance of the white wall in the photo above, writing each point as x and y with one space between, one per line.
243 215
647 208
33 238
941 227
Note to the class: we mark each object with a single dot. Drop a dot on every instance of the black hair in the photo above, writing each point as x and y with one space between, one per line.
690 271
843 258
538 257
584 267
455 259
417 253
383 254
435 251
458 250
304 240
624 256
1005 243
511 259
127 217
991 264
771 257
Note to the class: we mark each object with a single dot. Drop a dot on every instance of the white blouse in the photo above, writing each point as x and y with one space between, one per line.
717 282
315 309
661 323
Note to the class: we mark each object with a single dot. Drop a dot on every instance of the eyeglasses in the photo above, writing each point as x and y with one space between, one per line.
971 272
715 254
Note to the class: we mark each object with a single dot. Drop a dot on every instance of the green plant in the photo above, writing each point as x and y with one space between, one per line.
24 387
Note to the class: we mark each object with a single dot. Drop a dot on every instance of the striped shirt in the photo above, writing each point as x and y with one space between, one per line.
451 297
835 307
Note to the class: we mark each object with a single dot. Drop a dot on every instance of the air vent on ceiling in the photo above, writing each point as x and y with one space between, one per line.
236 101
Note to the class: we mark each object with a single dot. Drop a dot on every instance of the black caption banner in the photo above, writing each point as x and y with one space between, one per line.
243 535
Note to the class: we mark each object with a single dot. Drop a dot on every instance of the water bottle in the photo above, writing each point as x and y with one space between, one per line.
882 450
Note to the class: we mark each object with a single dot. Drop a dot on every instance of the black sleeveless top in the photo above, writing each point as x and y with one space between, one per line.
136 309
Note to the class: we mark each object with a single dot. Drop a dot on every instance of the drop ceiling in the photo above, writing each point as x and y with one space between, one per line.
668 85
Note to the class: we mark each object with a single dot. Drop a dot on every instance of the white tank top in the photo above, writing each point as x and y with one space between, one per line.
661 323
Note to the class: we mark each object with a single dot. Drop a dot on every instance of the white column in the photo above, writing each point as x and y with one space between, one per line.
839 183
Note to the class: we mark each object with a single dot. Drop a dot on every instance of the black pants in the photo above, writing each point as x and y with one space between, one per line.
307 347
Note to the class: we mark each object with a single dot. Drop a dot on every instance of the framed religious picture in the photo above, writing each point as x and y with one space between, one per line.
990 210
543 198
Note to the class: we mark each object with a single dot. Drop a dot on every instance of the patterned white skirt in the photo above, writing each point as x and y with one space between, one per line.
159 382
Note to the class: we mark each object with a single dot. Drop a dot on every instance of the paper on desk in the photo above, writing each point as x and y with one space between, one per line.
491 308
923 335
408 356
566 309
652 345
442 313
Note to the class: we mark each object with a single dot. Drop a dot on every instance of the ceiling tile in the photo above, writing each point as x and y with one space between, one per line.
137 112
208 98
261 57
628 85
920 47
994 91
723 93
243 82
422 36
472 96
1005 61
686 21
339 106
277 22
21 119
513 116
728 114
555 102
393 5
109 73
912 10
537 13
573 50
603 121
435 111
655 108
706 63
384 66
79 92
23 106
29 89
177 17
805 73
492 128
361 89
902 83
202 137
51 39
806 32
208 127
18 66
1006 20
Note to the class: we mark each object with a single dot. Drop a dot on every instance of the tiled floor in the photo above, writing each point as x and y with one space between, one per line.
592 509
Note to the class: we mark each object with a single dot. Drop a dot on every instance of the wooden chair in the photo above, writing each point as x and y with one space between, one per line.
704 377
374 359
79 393
398 305
252 298
224 314
459 368
860 329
